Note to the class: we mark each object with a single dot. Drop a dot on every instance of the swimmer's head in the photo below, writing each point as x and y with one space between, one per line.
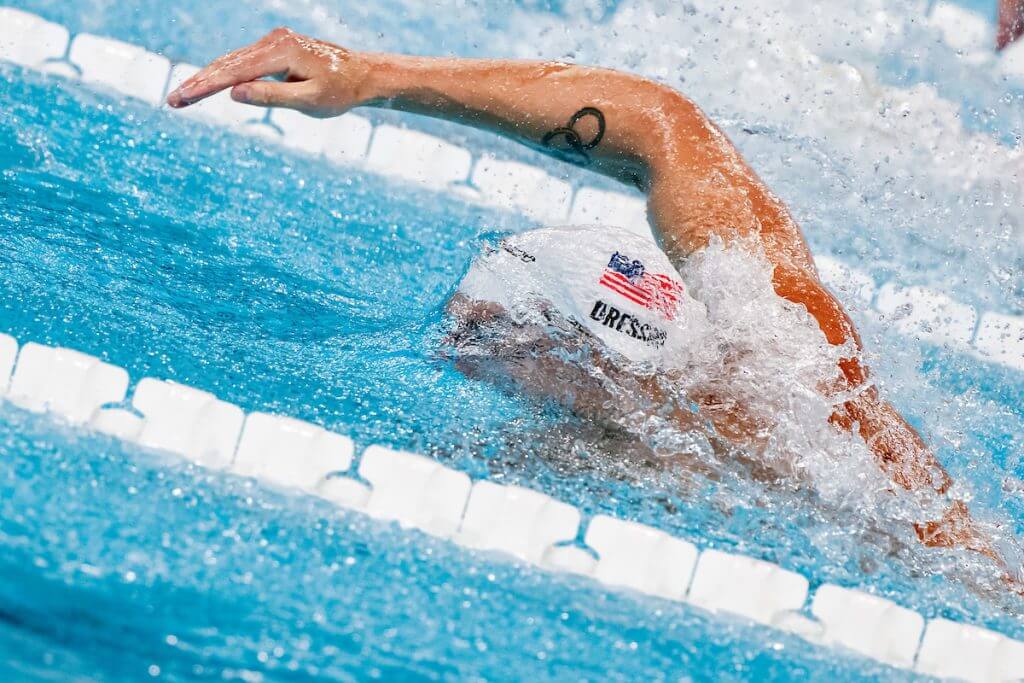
607 288
545 357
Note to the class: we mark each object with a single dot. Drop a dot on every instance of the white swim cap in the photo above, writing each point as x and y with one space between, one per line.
614 283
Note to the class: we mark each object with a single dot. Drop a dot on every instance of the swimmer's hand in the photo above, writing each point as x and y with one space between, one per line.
956 528
314 77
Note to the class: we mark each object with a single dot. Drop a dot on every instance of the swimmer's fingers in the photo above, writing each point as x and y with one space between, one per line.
271 55
299 95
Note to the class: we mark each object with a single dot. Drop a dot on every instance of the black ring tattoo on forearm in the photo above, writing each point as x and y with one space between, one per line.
574 143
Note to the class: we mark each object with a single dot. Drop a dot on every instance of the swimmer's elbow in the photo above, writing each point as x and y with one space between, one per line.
670 124
657 125
651 114
664 110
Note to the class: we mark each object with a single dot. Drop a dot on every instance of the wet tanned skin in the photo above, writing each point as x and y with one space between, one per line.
632 129
1011 22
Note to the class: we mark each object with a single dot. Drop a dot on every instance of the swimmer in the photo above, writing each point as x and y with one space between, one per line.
699 189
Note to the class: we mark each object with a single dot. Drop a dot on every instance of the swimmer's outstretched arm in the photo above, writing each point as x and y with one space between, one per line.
624 126
613 122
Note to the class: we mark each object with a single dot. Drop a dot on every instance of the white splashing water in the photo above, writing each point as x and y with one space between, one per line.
756 354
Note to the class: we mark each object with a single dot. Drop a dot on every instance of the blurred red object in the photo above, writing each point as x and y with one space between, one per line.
1011 22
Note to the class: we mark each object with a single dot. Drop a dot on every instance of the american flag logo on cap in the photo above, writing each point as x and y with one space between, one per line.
654 291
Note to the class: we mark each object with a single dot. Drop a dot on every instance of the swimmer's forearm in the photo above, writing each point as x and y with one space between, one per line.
611 121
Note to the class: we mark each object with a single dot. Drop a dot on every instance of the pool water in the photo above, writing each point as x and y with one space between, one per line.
287 285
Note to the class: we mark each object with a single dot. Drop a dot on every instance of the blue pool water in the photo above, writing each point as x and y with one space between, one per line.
287 285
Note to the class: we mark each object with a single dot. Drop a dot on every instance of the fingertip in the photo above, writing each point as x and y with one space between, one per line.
241 93
180 97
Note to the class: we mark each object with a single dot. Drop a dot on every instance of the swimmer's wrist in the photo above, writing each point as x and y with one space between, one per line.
387 78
